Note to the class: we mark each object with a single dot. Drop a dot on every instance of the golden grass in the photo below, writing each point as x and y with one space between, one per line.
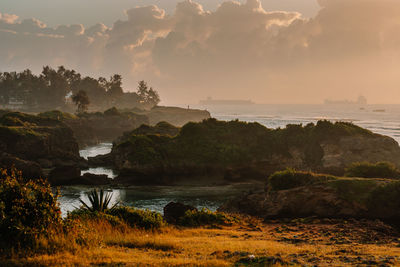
199 247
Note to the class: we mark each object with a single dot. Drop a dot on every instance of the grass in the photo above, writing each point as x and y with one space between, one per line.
212 247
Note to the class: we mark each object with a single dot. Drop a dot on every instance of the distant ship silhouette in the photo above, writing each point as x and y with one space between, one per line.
360 101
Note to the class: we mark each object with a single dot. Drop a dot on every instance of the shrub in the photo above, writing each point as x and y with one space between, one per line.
136 218
99 201
28 209
196 218
289 178
372 170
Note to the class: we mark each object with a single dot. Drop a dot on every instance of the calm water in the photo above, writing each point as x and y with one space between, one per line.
156 197
383 119
272 116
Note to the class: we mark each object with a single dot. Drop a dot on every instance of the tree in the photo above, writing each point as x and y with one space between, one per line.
81 100
148 96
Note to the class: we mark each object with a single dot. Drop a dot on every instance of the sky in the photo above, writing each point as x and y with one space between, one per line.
270 51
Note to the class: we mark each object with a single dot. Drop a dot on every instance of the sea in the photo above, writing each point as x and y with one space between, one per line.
382 119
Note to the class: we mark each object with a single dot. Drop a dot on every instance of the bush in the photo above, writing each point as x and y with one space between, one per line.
289 178
372 170
196 218
136 218
28 209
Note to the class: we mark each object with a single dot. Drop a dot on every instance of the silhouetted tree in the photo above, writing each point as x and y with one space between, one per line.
81 100
148 96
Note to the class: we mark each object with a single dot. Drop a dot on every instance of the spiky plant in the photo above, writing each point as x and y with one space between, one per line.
99 201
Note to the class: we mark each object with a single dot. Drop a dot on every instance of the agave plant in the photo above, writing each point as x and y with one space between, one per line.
99 201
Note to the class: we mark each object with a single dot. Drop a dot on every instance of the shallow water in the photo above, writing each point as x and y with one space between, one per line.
156 197
272 116
92 151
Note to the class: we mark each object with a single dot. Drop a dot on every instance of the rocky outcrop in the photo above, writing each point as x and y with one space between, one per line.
237 151
37 139
175 115
94 128
325 196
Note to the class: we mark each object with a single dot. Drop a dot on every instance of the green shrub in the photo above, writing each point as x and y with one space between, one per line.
372 170
136 218
196 218
289 178
28 209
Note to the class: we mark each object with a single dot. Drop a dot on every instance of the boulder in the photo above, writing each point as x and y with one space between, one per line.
64 175
94 179
175 210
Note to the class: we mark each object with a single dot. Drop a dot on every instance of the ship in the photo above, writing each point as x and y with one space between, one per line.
219 102
360 101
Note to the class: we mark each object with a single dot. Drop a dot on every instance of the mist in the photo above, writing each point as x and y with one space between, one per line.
238 50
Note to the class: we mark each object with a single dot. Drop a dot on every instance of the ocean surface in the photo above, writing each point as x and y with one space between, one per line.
382 119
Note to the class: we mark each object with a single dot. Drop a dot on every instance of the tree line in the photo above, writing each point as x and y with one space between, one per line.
56 89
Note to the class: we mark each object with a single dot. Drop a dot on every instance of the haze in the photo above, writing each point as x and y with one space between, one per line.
303 52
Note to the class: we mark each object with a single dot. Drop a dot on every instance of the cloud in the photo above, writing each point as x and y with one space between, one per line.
240 50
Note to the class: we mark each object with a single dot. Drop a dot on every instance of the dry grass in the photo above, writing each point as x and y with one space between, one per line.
220 247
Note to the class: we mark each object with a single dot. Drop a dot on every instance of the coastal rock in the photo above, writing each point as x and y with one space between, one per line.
28 168
94 179
37 139
175 210
64 175
238 151
322 196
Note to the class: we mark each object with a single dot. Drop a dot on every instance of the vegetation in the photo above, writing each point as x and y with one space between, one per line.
290 178
81 100
378 195
144 219
99 201
232 143
50 90
197 218
33 233
372 170
28 211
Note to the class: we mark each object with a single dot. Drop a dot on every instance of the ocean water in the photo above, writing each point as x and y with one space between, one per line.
382 119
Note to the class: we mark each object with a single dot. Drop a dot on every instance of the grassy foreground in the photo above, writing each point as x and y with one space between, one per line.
248 243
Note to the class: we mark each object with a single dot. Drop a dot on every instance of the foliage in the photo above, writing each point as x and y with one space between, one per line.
148 96
136 218
99 201
372 170
82 101
234 143
290 178
196 218
49 90
28 209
